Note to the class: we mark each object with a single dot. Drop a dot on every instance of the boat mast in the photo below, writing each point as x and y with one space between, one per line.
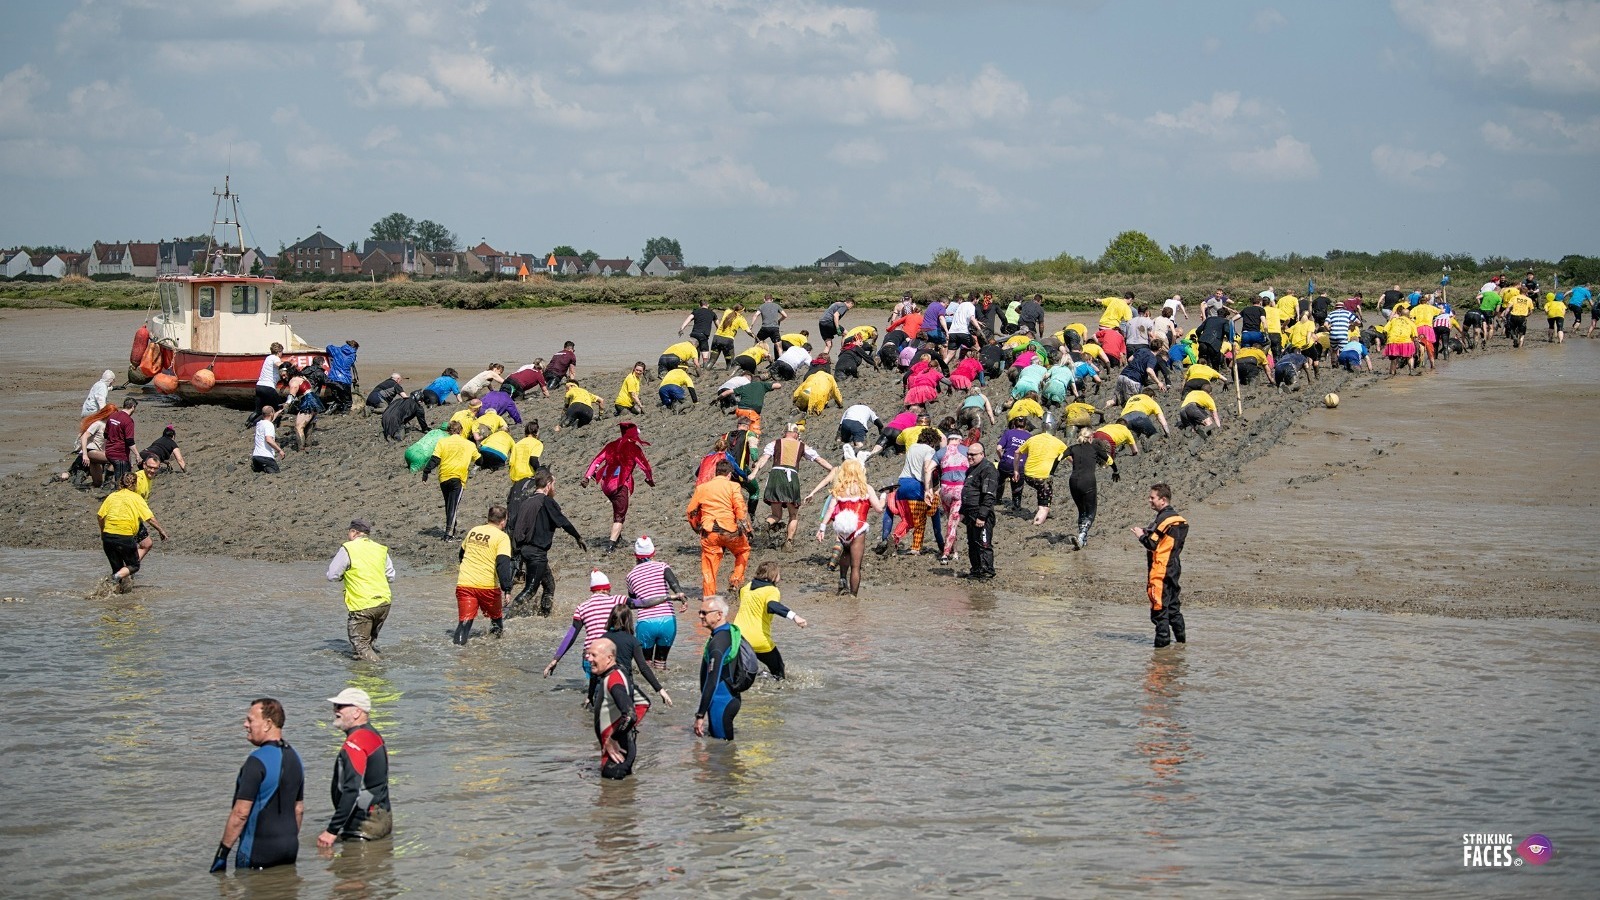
225 262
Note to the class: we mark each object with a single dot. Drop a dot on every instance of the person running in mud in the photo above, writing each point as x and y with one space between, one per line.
1199 410
771 316
832 323
165 450
122 515
613 469
401 410
783 485
1163 543
580 406
1086 456
700 322
731 322
677 391
758 603
1036 464
562 365
679 355
851 501
718 514
533 532
485 577
453 456
265 452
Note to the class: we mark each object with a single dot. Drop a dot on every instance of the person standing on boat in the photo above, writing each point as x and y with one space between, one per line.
366 569
342 373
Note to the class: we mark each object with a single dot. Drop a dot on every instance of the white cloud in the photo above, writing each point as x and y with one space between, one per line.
1548 45
379 136
476 82
316 157
884 95
17 91
1268 19
987 196
1287 159
1213 116
1028 156
1405 166
38 158
861 152
1542 131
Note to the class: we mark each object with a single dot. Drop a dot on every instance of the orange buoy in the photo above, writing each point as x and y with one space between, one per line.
165 383
204 380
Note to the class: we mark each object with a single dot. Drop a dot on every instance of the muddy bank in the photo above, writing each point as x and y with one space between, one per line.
221 508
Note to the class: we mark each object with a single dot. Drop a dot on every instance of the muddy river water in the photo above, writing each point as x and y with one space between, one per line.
934 741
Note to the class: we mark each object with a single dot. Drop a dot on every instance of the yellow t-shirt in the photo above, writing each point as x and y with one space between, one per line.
677 377
757 354
1120 435
523 453
1202 372
577 394
1200 399
819 388
909 436
143 487
1271 320
794 339
1027 406
1017 341
1401 330
1075 410
1288 308
683 350
456 455
862 333
629 392
1300 334
124 511
466 418
1424 313
1042 451
1519 305
735 326
1142 403
1079 327
1555 309
1254 353
752 618
479 549
1116 313
1094 351
491 420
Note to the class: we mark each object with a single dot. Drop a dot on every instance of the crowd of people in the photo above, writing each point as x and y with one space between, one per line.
991 404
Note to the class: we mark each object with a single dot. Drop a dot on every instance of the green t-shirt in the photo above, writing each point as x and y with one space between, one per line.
753 395
1489 302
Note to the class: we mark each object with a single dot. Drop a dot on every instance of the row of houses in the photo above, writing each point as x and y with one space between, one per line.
320 254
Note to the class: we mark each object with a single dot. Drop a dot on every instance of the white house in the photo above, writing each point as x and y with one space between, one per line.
609 267
14 263
664 266
50 265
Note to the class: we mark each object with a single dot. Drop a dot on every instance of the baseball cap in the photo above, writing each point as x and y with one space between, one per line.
598 580
361 525
644 546
353 697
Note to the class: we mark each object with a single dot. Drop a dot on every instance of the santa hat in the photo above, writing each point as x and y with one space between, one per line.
644 547
598 581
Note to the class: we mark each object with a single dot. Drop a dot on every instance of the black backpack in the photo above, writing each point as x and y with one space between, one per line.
739 666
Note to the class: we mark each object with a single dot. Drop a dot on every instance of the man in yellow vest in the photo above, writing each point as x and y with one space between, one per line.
366 570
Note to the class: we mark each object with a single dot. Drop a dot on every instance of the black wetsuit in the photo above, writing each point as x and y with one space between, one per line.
1083 484
718 703
401 411
273 781
361 785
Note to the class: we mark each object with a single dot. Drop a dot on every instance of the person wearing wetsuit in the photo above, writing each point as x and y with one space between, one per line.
1163 544
616 716
360 775
758 603
268 796
1086 456
718 703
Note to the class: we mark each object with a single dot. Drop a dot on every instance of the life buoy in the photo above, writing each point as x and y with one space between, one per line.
141 340
156 359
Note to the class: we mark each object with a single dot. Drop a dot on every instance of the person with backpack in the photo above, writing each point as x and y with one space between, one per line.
758 603
727 668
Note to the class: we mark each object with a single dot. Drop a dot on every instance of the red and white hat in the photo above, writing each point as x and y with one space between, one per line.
598 581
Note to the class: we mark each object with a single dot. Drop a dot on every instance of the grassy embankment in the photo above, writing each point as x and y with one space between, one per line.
793 289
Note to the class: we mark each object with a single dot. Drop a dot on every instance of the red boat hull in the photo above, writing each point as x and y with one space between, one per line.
236 374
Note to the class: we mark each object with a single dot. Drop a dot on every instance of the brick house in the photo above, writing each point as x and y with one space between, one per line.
318 254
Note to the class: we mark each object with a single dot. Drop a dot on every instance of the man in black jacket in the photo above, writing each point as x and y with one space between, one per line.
404 408
977 511
533 530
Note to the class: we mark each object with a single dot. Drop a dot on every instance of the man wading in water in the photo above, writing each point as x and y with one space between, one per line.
1163 544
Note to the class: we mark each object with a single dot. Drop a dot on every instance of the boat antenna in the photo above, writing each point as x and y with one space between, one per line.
225 258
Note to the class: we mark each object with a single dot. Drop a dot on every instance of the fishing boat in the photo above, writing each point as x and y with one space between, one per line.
214 329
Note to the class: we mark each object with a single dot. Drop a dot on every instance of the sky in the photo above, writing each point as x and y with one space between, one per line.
777 131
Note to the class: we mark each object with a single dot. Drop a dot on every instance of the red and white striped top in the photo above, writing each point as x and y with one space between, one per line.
594 612
648 581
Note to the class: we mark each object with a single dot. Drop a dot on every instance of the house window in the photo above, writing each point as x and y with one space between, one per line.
208 302
246 299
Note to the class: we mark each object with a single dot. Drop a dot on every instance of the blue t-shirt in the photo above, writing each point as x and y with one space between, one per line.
1578 295
1011 440
443 387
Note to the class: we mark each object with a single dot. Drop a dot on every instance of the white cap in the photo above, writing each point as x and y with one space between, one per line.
598 580
644 546
353 697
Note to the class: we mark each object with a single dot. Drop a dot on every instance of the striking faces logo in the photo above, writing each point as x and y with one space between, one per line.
1485 851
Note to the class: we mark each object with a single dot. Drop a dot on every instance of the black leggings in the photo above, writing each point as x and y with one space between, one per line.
536 571
578 415
1086 497
773 660
266 396
628 743
122 551
451 488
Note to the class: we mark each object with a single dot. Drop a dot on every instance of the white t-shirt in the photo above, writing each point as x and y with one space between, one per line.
772 447
1172 305
264 430
96 398
1139 329
961 316
479 382
269 371
796 358
736 381
860 412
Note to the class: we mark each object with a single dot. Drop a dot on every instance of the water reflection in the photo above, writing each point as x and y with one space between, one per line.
1167 746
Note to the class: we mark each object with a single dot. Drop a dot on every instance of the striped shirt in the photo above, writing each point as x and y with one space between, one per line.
1339 324
648 581
594 612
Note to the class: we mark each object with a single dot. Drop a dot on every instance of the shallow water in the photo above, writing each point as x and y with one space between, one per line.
1002 744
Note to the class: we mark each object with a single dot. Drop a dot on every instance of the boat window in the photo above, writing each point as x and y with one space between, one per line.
246 299
169 301
208 302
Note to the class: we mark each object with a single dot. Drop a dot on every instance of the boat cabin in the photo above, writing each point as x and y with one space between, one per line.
225 314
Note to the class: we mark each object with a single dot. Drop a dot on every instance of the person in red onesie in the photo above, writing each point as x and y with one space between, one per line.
613 467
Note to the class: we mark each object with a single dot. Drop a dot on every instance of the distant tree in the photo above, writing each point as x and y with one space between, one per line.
352 248
660 246
432 237
394 227
255 266
948 259
1577 269
589 256
564 250
1133 252
285 264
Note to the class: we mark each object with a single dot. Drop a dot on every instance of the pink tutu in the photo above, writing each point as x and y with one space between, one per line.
1399 351
959 381
921 394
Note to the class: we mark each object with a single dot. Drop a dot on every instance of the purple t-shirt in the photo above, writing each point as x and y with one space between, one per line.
1011 440
930 318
